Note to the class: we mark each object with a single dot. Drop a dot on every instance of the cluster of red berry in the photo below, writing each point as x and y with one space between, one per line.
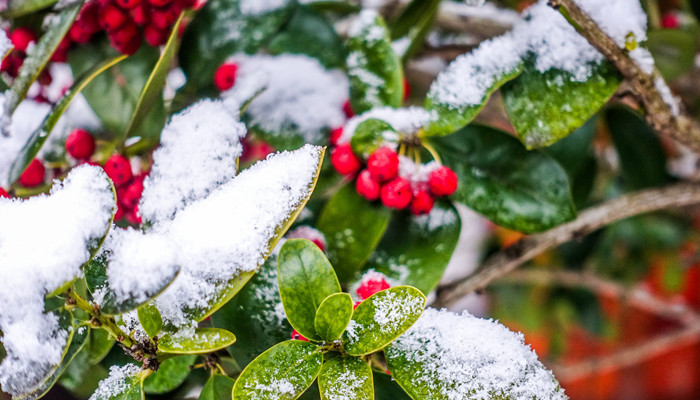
21 38
381 179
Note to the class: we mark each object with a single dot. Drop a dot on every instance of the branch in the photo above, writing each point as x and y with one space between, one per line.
659 113
525 249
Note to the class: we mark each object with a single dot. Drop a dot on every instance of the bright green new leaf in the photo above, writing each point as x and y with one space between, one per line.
171 374
347 378
333 316
150 319
370 135
513 187
546 107
353 227
204 340
218 387
381 318
305 278
376 75
283 372
99 343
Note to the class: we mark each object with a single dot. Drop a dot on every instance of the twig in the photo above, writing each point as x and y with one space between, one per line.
659 113
625 206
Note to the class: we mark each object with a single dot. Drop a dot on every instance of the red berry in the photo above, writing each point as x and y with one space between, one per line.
78 34
89 17
397 193
335 135
127 4
297 336
165 17
347 108
118 169
22 37
34 174
225 76
61 53
406 89
12 63
112 17
160 3
126 39
383 164
140 14
442 181
133 217
422 202
312 234
80 144
670 21
131 195
367 187
120 213
154 36
344 160
371 286
3 193
45 78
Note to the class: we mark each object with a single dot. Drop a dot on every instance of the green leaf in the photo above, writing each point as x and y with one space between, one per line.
41 54
150 319
353 227
129 387
283 372
171 374
416 250
546 107
99 343
39 136
382 318
385 387
18 8
347 378
333 316
204 340
305 278
218 387
376 75
515 188
414 24
310 33
370 135
673 50
642 158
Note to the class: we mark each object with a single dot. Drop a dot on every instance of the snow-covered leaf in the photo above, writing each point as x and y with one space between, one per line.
171 374
333 316
305 278
381 318
204 340
218 387
446 356
150 319
513 187
370 135
283 372
376 74
348 378
18 8
123 383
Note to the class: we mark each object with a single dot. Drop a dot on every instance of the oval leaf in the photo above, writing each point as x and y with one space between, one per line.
99 343
515 188
305 278
171 374
150 319
382 318
347 378
283 372
333 316
371 135
204 340
218 387
123 383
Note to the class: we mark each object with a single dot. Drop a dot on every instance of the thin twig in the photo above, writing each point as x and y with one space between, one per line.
678 195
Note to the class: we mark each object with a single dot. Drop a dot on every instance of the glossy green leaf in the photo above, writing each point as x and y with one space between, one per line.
204 340
39 136
150 319
129 387
416 250
333 316
673 50
385 387
513 187
218 387
283 372
41 54
642 157
352 227
370 135
348 378
546 107
305 278
382 318
376 75
99 343
171 374
18 8
81 378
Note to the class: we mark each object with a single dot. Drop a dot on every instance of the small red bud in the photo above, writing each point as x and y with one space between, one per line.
22 37
118 169
383 164
443 181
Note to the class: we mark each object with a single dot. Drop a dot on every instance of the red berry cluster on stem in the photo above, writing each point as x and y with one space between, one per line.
22 38
129 188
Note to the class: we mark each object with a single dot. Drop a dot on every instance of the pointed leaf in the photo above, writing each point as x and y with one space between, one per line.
381 318
353 227
150 319
305 278
171 374
370 135
515 188
283 372
204 340
333 316
347 378
218 387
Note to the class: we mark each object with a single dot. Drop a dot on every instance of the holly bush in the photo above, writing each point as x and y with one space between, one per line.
171 225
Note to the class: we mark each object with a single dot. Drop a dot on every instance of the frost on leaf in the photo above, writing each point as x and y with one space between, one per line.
292 95
404 120
47 240
121 381
447 356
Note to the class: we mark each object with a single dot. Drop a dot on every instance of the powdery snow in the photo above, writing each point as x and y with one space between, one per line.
5 43
391 309
45 244
344 385
259 7
406 121
117 382
461 356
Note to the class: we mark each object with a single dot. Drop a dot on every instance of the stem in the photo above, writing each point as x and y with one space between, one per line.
432 152
104 322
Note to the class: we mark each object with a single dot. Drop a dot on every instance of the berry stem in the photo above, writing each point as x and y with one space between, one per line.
432 152
101 321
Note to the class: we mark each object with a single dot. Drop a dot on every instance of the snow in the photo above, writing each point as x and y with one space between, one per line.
5 44
666 94
346 385
197 154
617 18
298 94
406 121
277 388
116 383
44 246
365 27
461 356
259 7
391 309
